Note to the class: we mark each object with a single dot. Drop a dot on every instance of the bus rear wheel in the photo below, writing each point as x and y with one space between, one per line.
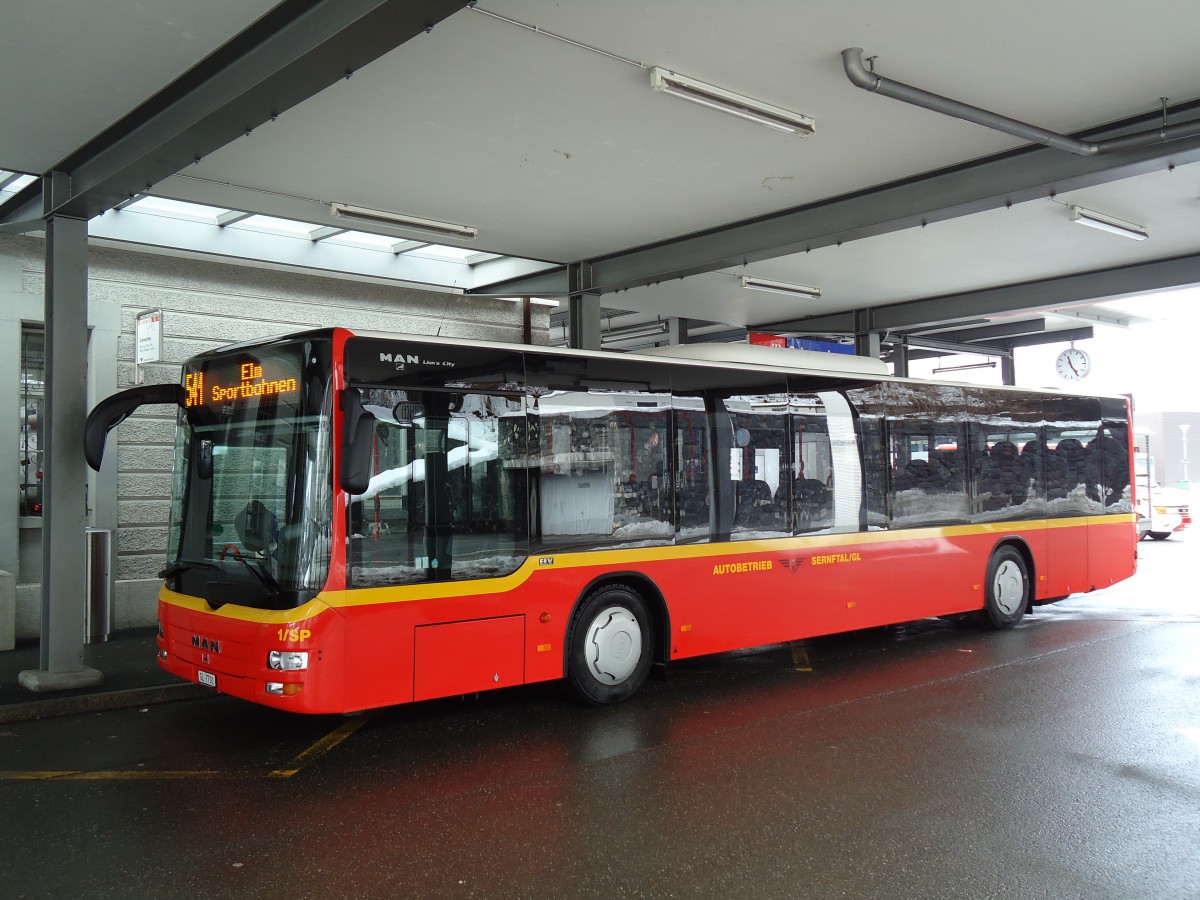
610 645
1007 589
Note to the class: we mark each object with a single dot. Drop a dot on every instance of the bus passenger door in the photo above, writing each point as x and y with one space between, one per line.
1071 492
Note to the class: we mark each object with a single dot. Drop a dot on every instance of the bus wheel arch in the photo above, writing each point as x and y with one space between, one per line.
1008 585
614 638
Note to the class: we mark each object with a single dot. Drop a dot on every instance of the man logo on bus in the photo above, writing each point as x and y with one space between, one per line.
204 643
399 359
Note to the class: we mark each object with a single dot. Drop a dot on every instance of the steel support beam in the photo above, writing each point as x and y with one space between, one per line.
984 333
293 52
1026 297
64 480
583 311
1028 173
677 331
955 347
866 334
1008 345
1051 337
729 336
1008 370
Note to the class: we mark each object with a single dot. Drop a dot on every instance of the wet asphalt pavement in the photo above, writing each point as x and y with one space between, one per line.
1057 760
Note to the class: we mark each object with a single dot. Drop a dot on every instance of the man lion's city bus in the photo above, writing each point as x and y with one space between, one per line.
362 520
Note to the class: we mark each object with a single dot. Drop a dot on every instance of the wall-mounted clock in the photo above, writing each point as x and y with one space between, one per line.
1072 364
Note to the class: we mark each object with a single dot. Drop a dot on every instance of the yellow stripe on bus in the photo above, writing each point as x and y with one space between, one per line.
616 558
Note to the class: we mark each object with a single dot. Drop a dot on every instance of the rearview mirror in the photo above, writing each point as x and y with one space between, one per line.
358 429
111 412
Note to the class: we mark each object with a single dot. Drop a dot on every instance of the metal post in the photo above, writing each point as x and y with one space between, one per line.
1008 370
583 309
677 331
1183 430
867 344
64 482
97 560
900 358
866 339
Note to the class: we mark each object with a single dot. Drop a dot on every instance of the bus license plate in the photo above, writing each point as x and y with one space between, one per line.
207 678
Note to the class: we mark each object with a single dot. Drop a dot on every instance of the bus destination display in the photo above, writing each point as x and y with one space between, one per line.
214 387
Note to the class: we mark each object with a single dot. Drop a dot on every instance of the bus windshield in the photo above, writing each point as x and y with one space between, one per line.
252 493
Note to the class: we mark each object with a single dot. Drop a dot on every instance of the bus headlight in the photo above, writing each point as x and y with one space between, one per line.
287 660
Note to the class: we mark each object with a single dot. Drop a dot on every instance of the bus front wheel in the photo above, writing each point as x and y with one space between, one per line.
610 645
1007 589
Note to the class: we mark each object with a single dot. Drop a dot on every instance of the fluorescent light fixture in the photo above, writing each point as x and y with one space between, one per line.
780 287
727 101
631 332
979 365
534 301
1093 219
397 220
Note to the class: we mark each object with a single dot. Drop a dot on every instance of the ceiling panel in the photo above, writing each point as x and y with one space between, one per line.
71 68
536 123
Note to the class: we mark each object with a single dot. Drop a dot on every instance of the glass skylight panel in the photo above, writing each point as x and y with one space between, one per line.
456 253
365 239
278 226
19 182
179 209
388 256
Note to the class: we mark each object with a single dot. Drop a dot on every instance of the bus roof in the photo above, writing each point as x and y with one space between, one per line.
717 355
747 354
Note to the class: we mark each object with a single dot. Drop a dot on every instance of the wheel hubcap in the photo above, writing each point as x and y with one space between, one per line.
1008 587
614 645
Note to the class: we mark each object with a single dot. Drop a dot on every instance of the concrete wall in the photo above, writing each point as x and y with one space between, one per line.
205 304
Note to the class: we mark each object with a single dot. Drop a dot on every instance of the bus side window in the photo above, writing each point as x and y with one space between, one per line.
692 453
929 455
759 462
811 485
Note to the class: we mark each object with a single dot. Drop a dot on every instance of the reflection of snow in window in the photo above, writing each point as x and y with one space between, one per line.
478 438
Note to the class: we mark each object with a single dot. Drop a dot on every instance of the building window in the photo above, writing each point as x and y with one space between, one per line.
33 387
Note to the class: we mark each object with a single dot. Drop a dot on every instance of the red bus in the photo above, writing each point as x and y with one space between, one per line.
363 520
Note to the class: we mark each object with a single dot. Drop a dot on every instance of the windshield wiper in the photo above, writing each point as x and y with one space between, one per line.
176 568
265 578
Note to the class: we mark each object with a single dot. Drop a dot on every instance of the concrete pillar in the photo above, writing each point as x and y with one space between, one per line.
64 483
8 610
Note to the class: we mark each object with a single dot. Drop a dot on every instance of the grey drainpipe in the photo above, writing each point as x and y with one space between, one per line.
852 59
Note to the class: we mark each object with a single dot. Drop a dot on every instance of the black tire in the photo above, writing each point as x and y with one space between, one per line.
1006 589
1160 535
610 646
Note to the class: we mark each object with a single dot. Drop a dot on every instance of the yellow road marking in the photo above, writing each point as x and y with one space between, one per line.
323 746
800 658
316 751
115 775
